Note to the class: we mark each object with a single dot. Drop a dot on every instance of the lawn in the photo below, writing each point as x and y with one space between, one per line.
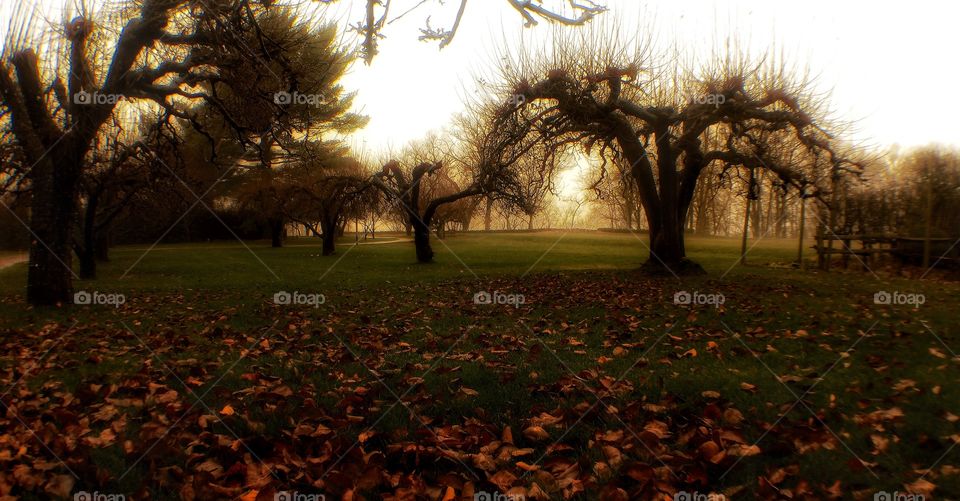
592 383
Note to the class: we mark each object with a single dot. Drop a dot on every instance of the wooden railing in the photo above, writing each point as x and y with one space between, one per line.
924 251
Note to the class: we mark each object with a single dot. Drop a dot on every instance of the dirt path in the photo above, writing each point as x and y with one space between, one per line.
312 244
381 242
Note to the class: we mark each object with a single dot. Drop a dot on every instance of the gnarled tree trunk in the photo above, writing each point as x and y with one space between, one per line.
421 239
53 206
488 214
277 232
329 227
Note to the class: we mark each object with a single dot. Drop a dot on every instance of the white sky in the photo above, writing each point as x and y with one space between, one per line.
891 66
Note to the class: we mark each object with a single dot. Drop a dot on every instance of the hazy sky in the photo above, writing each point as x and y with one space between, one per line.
892 66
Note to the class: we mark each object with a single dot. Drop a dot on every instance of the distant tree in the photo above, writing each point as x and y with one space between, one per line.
119 171
326 188
615 195
904 191
308 104
668 128
404 186
59 91
488 145
525 188
438 185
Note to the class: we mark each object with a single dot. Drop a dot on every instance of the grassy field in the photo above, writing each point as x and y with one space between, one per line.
597 386
256 266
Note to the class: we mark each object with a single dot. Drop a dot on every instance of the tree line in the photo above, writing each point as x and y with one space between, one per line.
231 121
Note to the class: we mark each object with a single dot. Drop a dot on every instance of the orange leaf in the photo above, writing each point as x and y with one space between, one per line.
449 495
536 433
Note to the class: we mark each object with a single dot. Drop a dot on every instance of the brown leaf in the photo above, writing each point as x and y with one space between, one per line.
503 479
60 485
536 433
921 486
732 416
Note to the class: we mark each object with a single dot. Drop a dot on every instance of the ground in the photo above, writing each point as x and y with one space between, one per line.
591 382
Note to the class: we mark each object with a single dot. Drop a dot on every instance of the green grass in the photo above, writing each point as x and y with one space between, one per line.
254 266
203 311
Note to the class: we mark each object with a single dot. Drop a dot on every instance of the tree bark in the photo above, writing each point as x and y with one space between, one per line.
88 265
53 206
86 250
421 239
329 239
102 245
329 227
277 232
803 217
488 214
329 243
751 190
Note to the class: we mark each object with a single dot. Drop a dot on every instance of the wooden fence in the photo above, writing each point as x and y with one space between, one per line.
868 249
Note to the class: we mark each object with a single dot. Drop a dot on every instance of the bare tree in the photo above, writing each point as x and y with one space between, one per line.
667 127
525 187
487 145
326 188
907 193
377 15
60 92
119 171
